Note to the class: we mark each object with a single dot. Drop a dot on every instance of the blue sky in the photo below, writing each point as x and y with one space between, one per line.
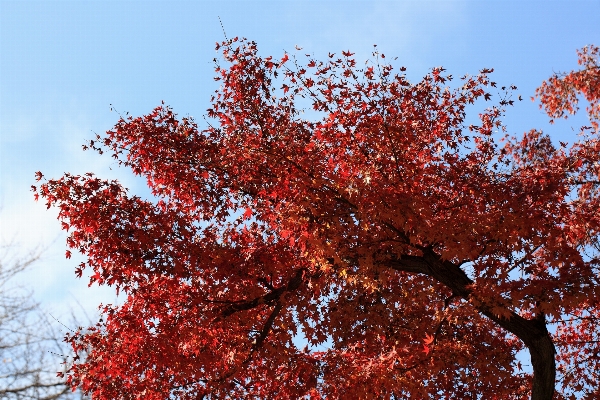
63 63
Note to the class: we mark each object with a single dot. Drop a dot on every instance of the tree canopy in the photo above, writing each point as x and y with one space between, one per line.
341 232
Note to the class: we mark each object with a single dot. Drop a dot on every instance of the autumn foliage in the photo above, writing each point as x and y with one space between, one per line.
340 232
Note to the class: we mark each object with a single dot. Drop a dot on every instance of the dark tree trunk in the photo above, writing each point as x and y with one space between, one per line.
533 332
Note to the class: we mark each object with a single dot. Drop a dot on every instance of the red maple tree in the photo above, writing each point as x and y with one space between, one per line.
415 251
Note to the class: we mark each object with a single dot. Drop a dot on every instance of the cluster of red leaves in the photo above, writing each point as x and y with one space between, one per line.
559 94
416 254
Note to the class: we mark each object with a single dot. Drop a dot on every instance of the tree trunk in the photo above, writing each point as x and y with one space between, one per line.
533 333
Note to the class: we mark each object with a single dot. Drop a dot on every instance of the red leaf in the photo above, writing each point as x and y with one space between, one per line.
428 339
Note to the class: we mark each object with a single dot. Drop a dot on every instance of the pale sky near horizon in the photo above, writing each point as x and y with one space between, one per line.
62 64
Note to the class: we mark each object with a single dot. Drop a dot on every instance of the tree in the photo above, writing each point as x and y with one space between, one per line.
416 249
28 343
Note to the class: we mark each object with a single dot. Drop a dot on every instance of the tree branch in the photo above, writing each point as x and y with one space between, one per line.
533 333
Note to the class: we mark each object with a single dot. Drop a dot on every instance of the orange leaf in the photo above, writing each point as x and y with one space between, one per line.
428 339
